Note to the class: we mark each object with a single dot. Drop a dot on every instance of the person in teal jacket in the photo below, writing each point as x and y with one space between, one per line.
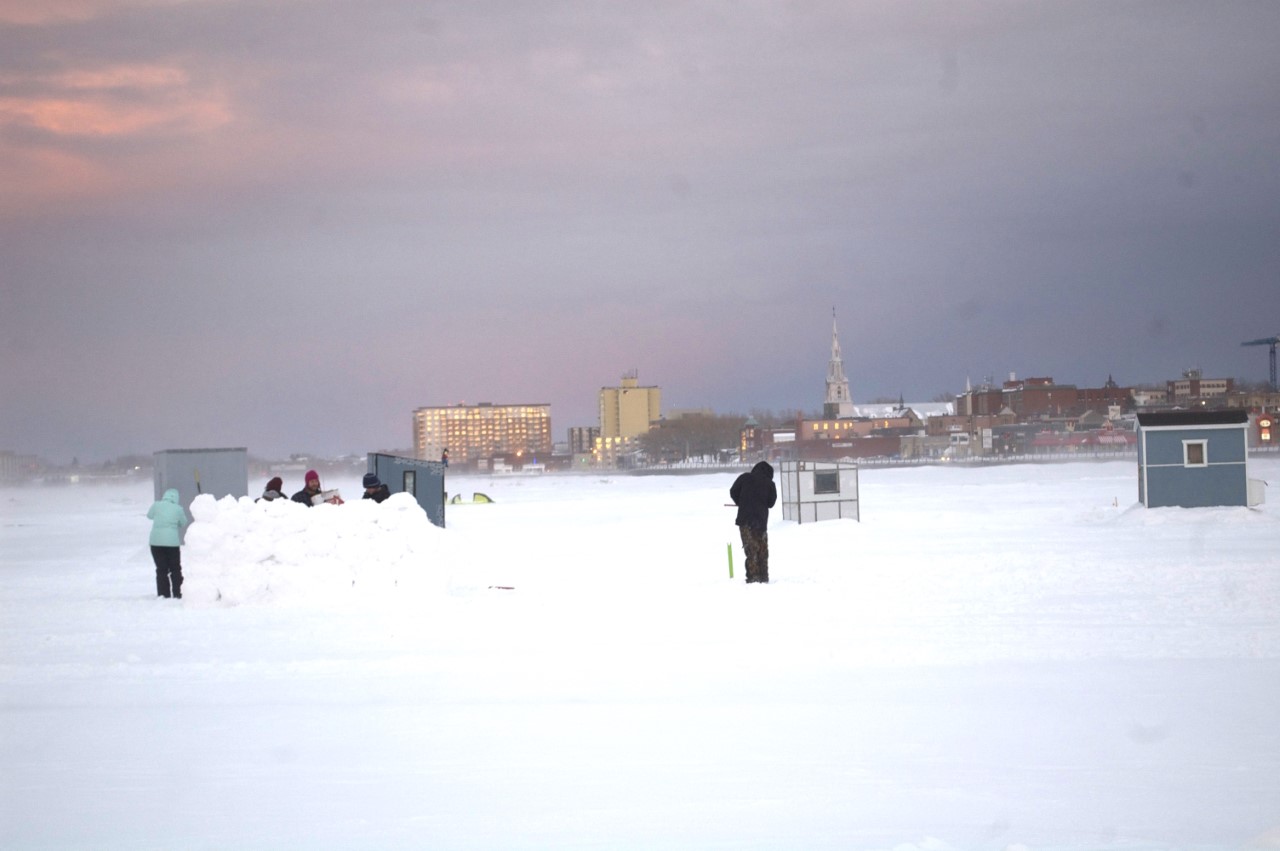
167 519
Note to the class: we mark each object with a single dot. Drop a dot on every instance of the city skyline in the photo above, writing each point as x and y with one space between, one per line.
861 411
286 228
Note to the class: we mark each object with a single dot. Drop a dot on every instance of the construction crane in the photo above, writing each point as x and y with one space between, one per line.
1268 341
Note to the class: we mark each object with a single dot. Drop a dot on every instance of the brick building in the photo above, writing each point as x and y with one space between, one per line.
1042 398
1193 386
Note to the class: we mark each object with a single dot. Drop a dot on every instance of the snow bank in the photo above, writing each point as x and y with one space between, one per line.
240 551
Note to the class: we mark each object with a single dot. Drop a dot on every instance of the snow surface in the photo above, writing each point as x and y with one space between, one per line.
999 658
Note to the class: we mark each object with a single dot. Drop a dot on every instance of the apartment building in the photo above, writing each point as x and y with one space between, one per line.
473 433
628 410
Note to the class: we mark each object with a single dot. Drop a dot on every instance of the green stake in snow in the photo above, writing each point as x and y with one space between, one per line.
729 547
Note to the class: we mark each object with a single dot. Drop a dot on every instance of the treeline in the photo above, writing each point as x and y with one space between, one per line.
704 435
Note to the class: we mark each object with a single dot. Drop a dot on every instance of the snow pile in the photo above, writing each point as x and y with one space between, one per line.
240 551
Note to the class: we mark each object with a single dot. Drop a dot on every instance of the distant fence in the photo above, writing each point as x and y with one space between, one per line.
688 468
701 466
994 460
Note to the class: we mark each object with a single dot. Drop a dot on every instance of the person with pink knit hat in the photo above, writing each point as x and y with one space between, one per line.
310 489
312 495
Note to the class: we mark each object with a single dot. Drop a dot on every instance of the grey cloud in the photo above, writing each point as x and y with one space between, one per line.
403 203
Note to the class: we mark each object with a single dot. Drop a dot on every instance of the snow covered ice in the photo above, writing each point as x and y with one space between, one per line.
1000 658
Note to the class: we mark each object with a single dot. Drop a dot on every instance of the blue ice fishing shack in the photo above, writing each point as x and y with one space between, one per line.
1193 458
423 479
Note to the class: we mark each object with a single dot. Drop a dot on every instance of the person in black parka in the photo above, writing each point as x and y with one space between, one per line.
754 493
375 489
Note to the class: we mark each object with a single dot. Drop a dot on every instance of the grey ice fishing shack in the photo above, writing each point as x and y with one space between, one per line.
1193 458
218 472
423 479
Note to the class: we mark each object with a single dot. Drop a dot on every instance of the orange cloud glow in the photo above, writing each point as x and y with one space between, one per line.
145 77
67 117
43 12
116 100
32 176
144 103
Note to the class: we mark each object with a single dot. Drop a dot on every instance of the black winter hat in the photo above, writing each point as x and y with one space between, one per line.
371 481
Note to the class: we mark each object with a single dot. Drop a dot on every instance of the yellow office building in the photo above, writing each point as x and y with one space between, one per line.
476 432
628 411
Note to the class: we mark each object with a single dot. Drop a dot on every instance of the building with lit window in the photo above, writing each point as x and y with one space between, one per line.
474 433
629 410
626 412
582 439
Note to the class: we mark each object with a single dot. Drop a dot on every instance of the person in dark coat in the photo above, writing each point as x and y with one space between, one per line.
311 488
375 489
754 493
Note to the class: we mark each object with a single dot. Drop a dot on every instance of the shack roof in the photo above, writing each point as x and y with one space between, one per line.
1226 416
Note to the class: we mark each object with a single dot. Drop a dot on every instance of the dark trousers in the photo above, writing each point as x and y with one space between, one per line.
755 543
168 570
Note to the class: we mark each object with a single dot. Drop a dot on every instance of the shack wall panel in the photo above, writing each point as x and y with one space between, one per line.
1225 446
1197 487
425 477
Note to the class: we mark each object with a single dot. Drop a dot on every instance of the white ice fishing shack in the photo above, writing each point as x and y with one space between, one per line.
818 490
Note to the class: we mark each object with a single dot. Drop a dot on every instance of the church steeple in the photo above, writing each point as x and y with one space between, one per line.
839 404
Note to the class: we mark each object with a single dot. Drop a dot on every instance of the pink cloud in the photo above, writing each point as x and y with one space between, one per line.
141 102
110 117
116 100
138 76
42 12
34 176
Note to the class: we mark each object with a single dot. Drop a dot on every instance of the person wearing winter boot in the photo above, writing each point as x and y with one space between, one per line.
167 517
754 493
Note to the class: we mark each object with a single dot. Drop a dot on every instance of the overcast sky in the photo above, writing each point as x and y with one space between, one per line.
285 225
